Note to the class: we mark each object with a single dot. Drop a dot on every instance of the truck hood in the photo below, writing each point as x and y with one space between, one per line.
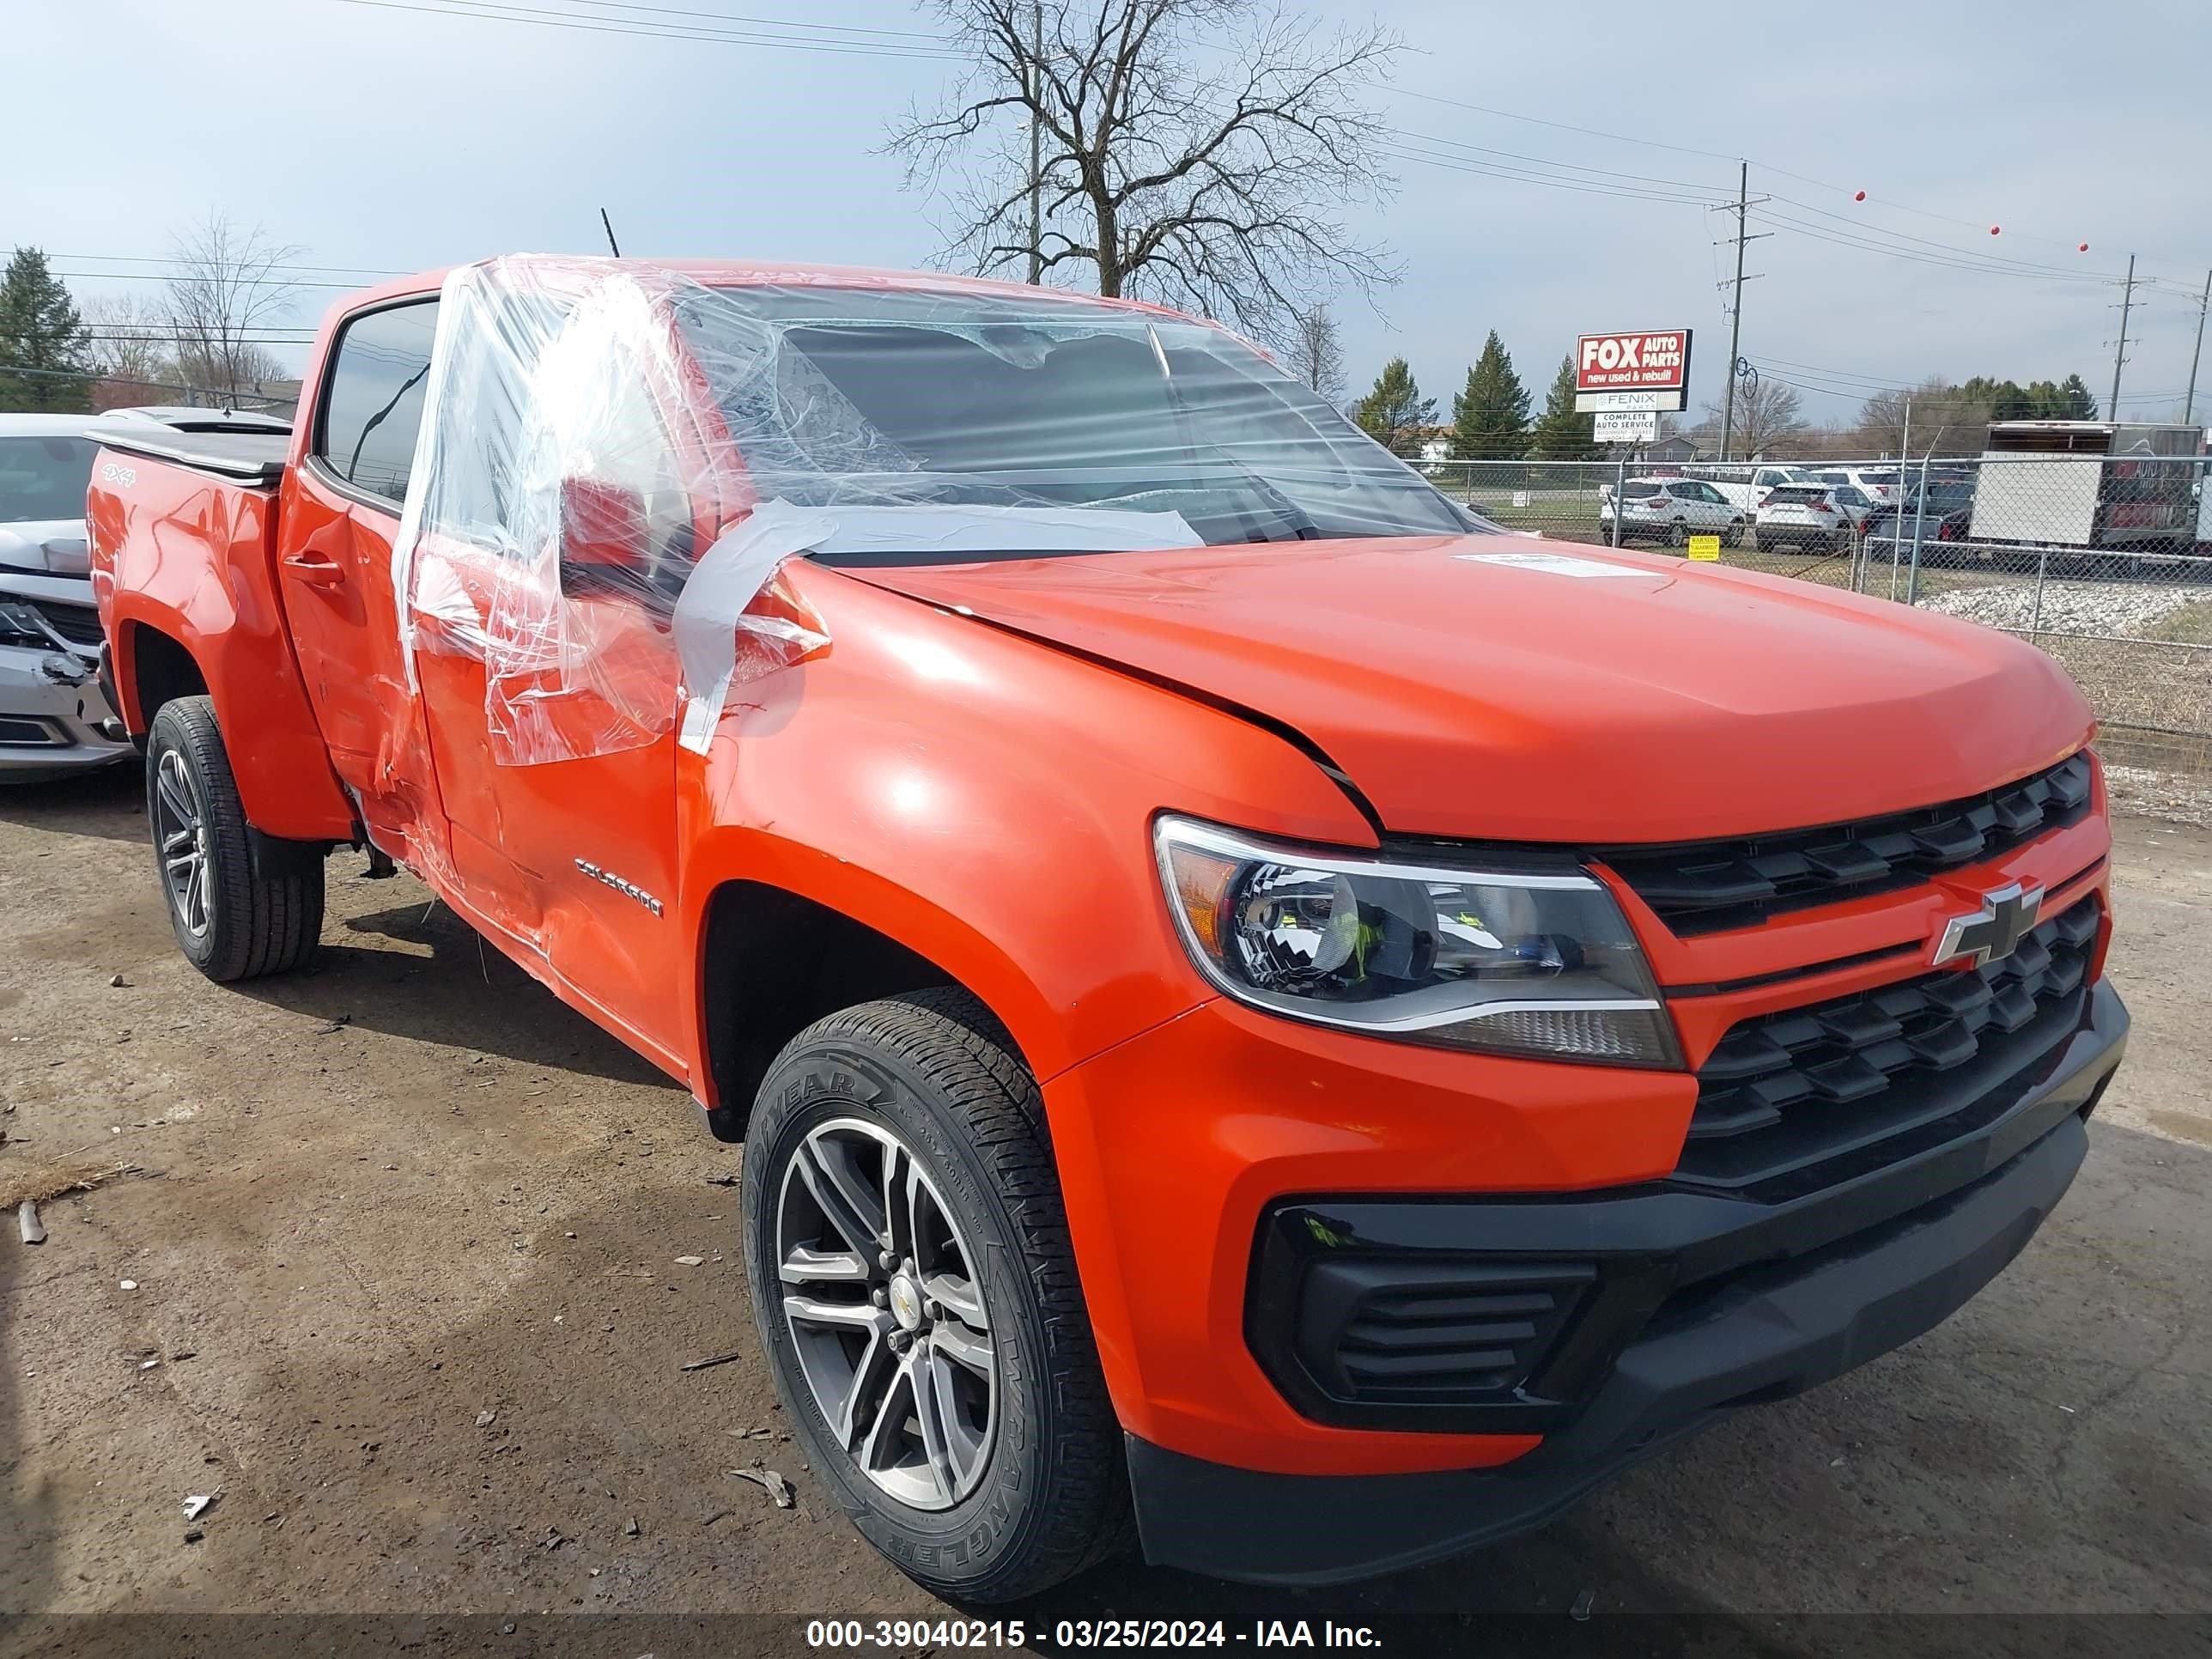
24 546
1504 688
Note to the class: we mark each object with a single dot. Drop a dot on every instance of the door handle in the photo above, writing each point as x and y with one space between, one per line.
314 571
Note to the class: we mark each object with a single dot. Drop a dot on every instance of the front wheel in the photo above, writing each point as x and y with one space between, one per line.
239 910
1733 536
916 1297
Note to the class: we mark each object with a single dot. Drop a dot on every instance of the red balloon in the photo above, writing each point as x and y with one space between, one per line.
1861 197
2084 248
1995 228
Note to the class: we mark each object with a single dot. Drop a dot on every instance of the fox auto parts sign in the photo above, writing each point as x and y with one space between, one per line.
1646 370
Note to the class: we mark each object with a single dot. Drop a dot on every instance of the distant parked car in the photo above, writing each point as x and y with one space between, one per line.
1672 510
53 718
1811 516
1880 484
1746 484
1945 513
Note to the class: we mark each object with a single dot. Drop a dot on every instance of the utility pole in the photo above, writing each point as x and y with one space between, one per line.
1735 311
2120 346
2189 409
1036 142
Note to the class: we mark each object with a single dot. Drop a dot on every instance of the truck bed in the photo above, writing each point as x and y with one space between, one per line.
248 457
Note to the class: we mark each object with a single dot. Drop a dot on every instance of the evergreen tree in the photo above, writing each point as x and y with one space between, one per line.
1489 418
45 349
1394 413
2074 402
1560 434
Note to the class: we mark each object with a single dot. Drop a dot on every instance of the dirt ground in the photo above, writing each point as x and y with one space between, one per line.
404 1250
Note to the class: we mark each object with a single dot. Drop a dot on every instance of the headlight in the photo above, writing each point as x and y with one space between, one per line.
1536 962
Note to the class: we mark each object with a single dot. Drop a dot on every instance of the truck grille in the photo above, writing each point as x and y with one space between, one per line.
1704 887
1382 1331
77 623
1859 1077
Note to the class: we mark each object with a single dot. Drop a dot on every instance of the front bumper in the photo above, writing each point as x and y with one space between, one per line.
1710 1302
52 714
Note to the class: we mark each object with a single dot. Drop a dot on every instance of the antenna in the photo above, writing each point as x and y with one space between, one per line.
613 246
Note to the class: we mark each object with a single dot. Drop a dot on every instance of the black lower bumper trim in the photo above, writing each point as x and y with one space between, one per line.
1772 1331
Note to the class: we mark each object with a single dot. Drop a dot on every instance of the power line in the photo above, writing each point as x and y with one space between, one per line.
1709 154
157 277
1455 164
1821 234
1538 161
1562 126
765 22
1945 248
171 259
538 17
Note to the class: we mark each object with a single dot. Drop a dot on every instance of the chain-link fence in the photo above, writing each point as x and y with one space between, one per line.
2103 561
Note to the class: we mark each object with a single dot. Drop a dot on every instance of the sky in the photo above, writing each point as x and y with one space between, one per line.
379 136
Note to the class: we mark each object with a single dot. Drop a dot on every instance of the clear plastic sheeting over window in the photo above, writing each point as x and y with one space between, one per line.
619 456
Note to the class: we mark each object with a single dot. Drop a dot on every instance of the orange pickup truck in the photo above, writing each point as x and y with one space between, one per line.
1259 1004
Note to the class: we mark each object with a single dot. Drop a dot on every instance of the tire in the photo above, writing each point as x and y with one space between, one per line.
932 1076
1733 536
1677 534
241 906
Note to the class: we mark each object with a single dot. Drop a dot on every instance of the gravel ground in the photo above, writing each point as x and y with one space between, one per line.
415 1252
2151 792
2069 607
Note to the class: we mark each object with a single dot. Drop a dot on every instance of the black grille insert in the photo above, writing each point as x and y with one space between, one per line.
1385 1331
1860 1077
16 730
1704 887
77 623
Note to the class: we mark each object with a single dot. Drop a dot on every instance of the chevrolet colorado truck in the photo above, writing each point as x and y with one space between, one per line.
1259 1005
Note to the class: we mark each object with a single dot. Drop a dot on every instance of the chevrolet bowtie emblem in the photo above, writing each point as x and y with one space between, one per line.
1994 932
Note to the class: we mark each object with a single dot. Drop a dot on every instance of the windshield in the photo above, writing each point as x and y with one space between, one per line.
44 478
1948 495
872 398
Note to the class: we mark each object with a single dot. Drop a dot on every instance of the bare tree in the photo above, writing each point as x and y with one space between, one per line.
1314 352
1768 414
1940 417
131 350
231 287
1192 151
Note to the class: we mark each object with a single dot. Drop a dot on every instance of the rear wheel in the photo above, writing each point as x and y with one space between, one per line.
1677 534
239 910
1733 536
915 1294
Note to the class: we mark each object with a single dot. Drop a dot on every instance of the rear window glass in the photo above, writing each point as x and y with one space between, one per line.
1800 494
374 404
1636 490
44 478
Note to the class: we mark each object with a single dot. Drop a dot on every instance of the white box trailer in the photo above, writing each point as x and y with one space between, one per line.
2089 483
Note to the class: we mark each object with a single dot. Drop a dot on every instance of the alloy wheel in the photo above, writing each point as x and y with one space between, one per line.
885 1308
180 841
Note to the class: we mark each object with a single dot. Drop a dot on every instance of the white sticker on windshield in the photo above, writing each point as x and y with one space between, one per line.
1556 564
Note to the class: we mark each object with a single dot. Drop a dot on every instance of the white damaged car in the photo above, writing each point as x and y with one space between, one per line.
53 716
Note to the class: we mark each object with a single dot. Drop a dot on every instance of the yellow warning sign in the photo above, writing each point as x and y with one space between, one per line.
1707 548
